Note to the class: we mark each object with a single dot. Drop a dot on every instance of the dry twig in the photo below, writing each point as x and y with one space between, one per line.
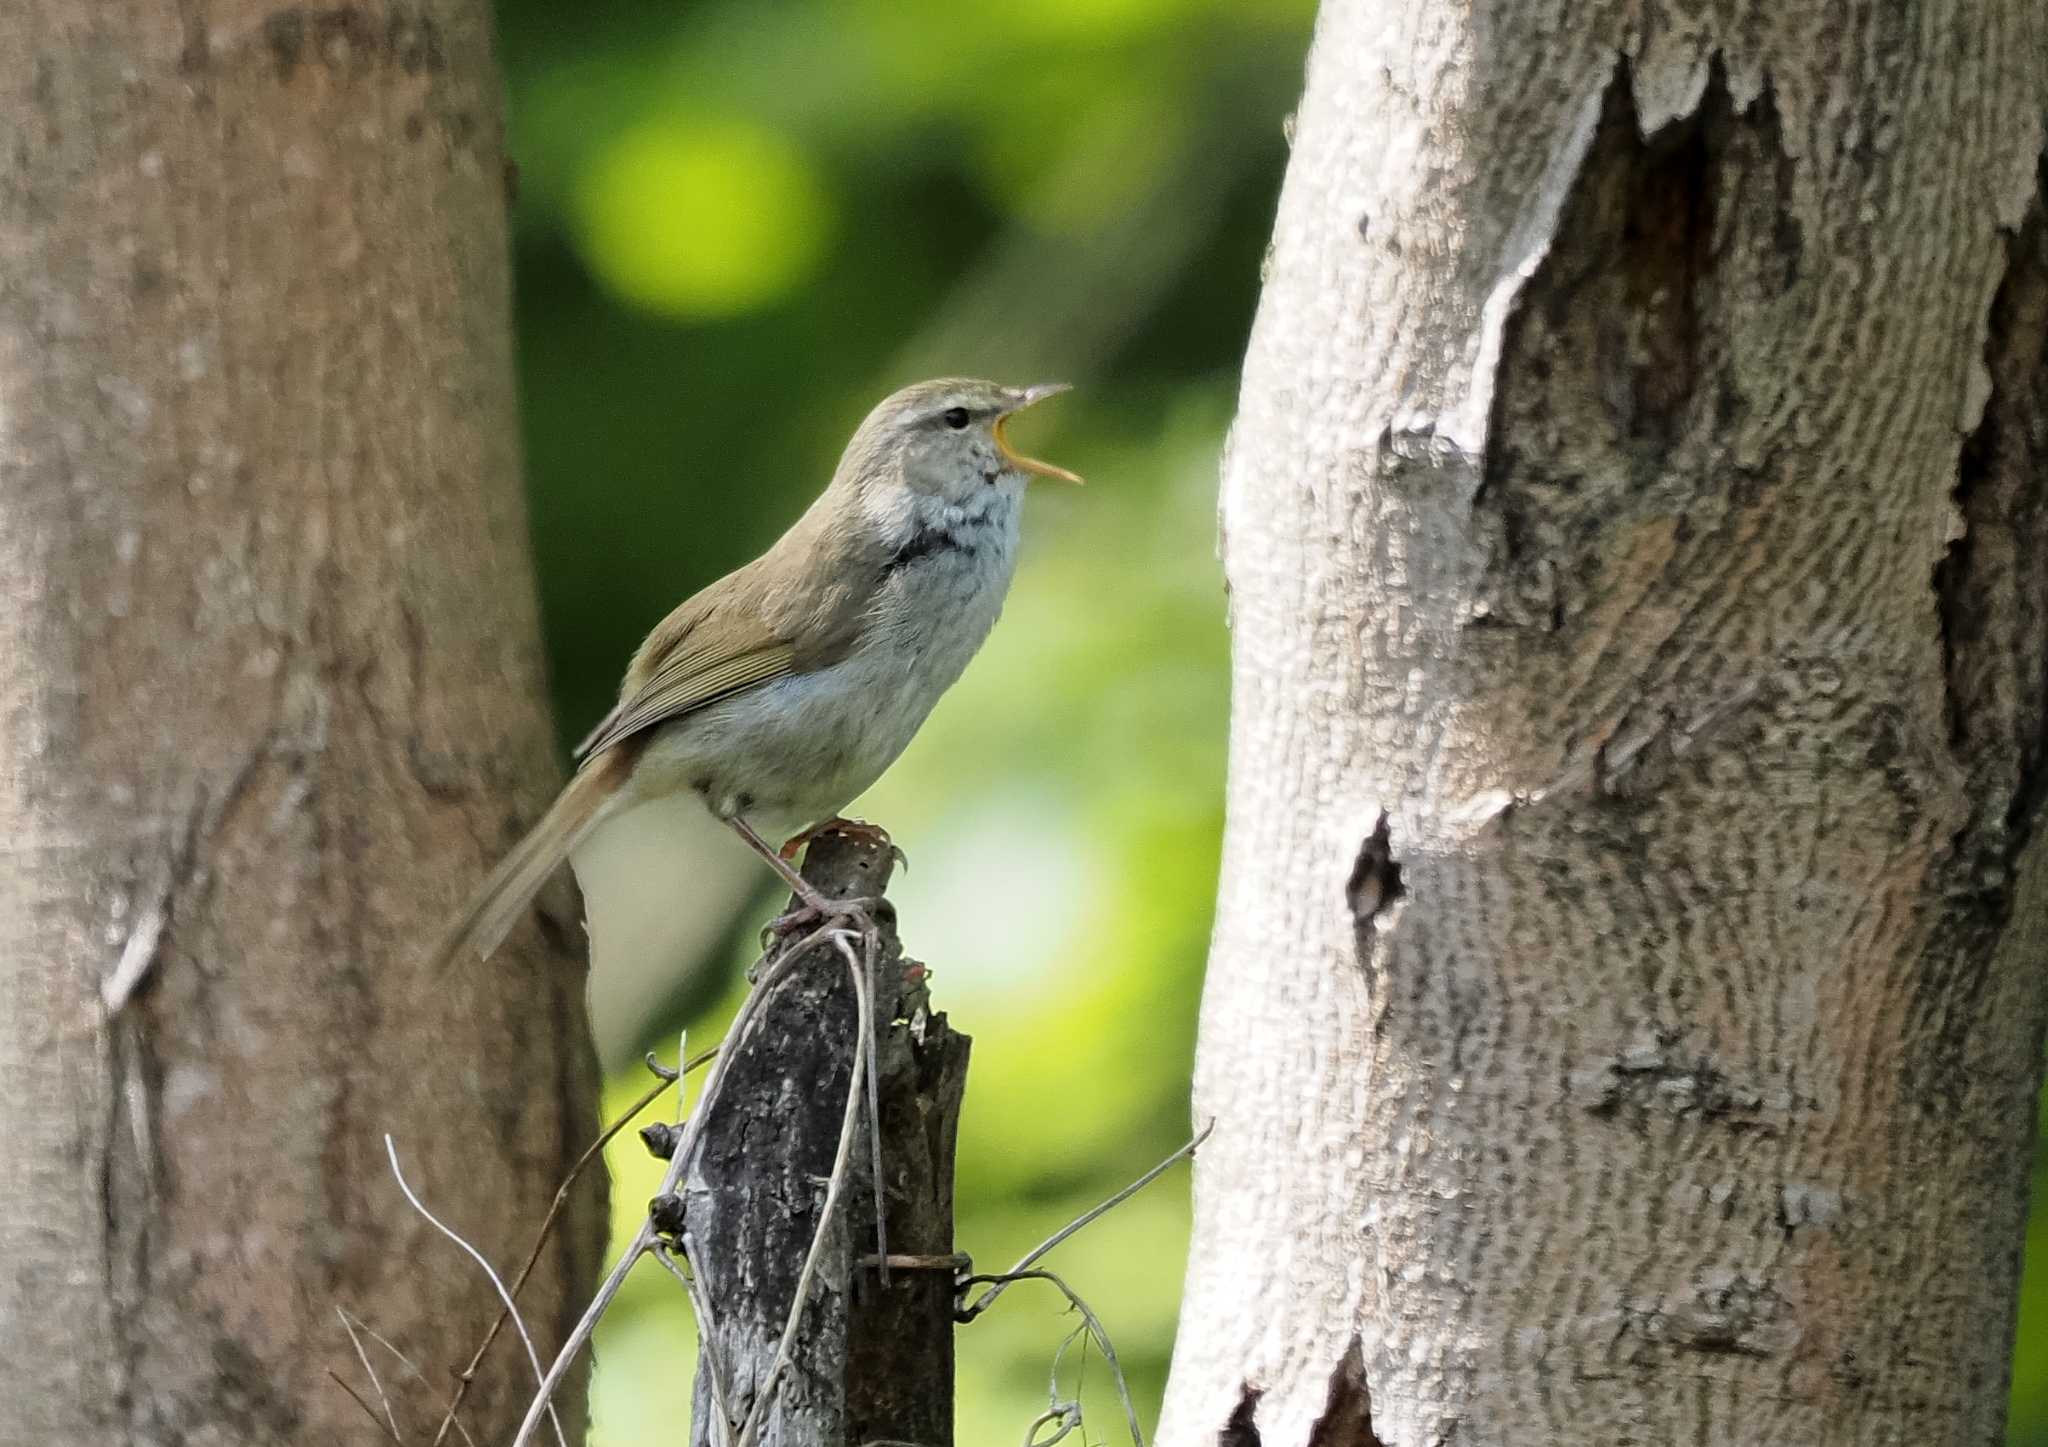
663 1079
1020 1271
533 1357
1062 1412
870 947
1067 1415
406 1363
1095 1330
390 1417
368 1410
707 1335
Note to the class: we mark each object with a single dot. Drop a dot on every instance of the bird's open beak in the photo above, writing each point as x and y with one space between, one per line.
1026 397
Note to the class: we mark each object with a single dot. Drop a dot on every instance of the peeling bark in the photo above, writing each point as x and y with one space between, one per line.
270 698
1628 958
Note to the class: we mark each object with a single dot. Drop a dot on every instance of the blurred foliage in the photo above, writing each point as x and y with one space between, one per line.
740 223
2029 1424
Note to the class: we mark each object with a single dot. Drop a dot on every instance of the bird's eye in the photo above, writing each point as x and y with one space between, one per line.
954 417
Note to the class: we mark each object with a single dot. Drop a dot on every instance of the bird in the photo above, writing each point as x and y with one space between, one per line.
778 694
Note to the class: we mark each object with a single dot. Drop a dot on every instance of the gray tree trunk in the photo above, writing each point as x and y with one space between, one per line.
1626 1002
270 696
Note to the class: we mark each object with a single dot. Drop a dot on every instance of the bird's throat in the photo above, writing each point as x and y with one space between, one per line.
956 534
935 540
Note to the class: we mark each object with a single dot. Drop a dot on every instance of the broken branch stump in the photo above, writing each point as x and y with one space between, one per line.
871 1362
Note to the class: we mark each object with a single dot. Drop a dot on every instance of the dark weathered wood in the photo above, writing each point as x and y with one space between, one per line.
872 1362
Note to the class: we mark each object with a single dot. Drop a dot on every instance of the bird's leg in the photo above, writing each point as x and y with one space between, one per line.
860 829
779 861
812 907
795 843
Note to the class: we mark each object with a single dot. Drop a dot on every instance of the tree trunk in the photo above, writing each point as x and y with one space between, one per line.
1626 1000
270 696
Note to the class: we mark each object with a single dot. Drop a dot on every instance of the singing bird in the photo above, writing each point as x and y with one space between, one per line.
782 691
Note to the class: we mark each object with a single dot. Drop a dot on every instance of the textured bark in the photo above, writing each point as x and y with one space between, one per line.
1626 1002
270 696
872 1363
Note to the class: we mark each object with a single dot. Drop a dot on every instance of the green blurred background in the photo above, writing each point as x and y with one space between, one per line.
739 224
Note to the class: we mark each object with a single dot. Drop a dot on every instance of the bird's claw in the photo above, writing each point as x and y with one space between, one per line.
811 913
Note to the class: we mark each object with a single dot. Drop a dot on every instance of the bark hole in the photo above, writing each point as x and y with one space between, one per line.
1995 684
1613 381
1347 1415
1374 885
1240 1431
1991 608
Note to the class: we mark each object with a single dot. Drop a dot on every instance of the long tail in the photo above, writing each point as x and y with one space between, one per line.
502 899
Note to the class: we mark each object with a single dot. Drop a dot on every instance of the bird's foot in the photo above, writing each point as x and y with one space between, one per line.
813 910
859 829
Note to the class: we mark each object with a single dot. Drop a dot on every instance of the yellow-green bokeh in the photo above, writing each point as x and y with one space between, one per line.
699 219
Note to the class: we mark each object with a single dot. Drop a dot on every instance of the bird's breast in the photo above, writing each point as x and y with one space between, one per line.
801 747
942 588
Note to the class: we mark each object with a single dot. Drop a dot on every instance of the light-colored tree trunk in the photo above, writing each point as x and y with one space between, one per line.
1627 997
269 697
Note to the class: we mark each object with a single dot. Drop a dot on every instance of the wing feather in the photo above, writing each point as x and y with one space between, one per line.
745 630
685 681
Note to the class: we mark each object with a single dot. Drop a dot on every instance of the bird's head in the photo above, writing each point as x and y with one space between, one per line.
947 439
